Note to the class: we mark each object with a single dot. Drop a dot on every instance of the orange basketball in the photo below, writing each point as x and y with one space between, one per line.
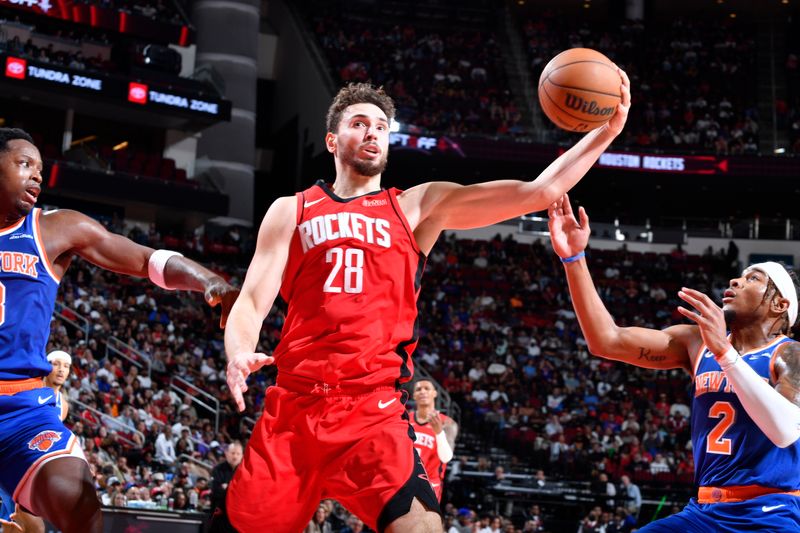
579 89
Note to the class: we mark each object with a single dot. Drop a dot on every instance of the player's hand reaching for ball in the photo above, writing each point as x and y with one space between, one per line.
617 122
239 367
709 317
568 234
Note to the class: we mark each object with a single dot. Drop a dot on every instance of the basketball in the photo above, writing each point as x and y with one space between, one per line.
579 89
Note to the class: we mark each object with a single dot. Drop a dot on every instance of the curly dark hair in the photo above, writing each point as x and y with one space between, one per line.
357 93
11 134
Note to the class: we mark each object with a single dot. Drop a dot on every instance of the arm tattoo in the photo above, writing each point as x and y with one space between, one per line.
644 353
787 370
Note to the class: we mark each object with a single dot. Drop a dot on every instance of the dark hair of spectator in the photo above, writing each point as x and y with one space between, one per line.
12 134
357 93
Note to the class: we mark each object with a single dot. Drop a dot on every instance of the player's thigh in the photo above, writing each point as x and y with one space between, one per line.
276 486
28 441
380 474
418 519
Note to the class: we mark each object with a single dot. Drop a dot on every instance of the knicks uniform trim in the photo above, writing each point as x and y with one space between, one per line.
37 233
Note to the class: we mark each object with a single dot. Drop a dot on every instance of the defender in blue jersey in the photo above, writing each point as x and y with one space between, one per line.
746 406
41 464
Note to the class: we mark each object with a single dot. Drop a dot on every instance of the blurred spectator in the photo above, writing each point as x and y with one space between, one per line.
220 478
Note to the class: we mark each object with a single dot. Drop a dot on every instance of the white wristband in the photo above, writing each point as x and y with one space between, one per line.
728 359
443 449
157 265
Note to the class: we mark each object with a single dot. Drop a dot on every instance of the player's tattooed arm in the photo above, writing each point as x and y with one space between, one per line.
787 372
647 355
451 432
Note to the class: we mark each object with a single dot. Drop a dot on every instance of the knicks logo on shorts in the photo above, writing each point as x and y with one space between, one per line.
44 440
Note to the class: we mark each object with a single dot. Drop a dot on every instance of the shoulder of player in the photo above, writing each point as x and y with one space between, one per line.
787 360
64 219
285 206
69 227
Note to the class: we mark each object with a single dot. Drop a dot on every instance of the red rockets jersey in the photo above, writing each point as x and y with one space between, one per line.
351 283
426 448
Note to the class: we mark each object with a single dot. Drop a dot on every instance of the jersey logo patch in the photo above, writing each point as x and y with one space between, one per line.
42 401
382 405
766 509
309 204
375 203
44 440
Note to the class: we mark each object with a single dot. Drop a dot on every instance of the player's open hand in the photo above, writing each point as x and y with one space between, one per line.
617 122
568 235
219 291
239 367
709 317
11 526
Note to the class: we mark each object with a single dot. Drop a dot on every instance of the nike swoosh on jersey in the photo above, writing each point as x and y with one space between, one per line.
42 401
766 509
309 204
382 405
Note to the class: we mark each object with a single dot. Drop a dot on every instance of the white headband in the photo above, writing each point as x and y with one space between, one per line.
780 277
58 355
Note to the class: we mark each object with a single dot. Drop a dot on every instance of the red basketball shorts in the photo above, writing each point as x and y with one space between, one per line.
358 450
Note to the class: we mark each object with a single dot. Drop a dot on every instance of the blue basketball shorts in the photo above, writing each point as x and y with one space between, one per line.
771 513
31 434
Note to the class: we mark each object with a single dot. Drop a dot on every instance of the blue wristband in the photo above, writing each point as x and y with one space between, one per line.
574 257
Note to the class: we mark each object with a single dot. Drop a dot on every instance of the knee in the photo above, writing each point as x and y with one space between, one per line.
66 497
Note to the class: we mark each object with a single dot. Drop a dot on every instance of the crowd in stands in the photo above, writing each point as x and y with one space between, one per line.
74 48
788 112
497 331
161 10
694 81
443 79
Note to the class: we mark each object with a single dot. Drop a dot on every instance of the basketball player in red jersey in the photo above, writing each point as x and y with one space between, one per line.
348 258
435 434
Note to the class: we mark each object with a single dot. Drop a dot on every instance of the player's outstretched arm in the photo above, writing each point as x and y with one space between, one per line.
70 232
776 411
259 291
447 205
648 348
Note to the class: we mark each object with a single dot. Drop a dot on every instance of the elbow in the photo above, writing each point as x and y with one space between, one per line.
785 441
600 348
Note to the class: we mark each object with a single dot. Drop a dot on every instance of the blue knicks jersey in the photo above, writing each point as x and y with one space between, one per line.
27 297
729 448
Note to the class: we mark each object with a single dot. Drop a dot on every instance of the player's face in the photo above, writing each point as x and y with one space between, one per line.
424 393
60 372
20 179
744 298
362 140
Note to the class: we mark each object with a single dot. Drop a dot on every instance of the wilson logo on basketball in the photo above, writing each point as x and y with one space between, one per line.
374 203
590 108
44 440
